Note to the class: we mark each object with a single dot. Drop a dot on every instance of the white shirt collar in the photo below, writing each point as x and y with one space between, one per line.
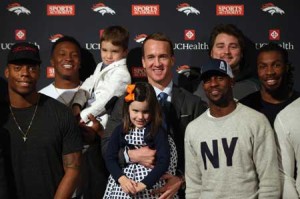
167 90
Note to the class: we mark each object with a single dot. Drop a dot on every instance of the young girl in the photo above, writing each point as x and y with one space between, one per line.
142 120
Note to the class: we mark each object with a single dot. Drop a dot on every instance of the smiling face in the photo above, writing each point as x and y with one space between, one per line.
272 70
66 61
22 78
227 48
218 88
139 113
158 61
111 53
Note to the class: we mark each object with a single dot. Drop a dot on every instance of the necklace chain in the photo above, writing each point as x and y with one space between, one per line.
29 126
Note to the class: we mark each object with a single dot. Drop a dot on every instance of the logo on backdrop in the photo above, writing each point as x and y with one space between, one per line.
138 72
145 10
272 9
50 72
61 10
187 9
103 9
18 9
54 38
230 10
274 34
140 38
20 35
189 35
288 45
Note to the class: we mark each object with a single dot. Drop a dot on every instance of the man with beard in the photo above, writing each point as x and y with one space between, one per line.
228 43
230 150
275 74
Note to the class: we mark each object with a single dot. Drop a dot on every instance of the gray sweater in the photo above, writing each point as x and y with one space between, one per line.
231 157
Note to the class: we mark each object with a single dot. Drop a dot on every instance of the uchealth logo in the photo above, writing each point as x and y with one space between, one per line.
187 9
54 38
60 9
18 9
145 10
50 72
20 35
274 34
92 46
189 35
7 46
140 38
230 10
272 9
103 9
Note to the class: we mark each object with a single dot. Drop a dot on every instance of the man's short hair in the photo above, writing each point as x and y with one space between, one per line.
117 35
65 39
285 56
228 29
158 36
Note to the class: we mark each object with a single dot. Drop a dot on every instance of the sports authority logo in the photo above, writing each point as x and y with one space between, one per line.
274 34
189 35
50 72
61 10
20 35
230 10
145 10
138 72
55 37
103 9
140 38
18 9
272 9
187 9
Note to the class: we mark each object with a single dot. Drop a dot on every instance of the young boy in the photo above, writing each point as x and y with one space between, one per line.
110 77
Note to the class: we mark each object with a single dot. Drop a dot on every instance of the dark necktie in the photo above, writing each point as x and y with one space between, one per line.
162 99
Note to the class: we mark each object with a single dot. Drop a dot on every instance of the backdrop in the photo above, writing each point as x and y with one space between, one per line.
188 23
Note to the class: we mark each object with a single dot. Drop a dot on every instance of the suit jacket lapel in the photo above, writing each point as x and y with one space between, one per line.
177 99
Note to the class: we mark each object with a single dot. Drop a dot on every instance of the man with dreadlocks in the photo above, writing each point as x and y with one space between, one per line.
276 77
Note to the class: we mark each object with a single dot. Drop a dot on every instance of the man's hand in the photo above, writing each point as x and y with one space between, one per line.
171 187
127 185
140 187
76 111
144 156
90 132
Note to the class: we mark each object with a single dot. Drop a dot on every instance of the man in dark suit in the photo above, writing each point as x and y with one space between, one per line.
158 60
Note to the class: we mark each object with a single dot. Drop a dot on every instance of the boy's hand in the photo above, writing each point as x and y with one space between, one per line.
127 185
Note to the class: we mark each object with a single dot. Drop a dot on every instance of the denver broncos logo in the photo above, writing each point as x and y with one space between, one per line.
55 37
187 9
103 9
140 38
18 9
272 9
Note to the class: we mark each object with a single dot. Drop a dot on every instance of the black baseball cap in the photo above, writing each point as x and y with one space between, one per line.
216 66
24 51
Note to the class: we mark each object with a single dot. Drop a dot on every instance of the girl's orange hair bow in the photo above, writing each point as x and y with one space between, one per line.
130 96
